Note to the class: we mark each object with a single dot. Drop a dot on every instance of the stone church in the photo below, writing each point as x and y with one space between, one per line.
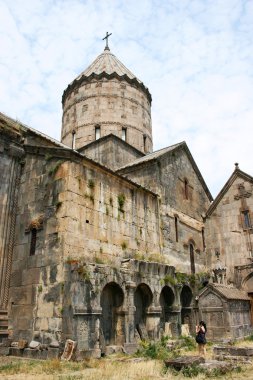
106 242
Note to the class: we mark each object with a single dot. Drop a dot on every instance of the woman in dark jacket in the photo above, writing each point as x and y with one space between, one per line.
201 337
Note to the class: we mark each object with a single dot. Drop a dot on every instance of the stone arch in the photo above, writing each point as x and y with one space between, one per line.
167 298
112 298
185 300
247 283
143 297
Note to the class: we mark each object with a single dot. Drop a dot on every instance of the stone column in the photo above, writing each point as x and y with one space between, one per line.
130 344
153 321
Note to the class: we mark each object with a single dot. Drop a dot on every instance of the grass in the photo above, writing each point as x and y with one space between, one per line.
124 368
146 365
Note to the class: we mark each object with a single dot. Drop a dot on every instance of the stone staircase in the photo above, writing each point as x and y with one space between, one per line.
3 324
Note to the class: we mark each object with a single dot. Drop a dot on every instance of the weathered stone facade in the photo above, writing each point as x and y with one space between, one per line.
226 311
102 241
228 225
173 174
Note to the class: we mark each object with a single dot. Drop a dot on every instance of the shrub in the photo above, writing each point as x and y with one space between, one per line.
154 350
187 342
169 279
192 371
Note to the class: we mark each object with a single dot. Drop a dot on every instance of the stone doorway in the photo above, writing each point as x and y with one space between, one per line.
251 307
112 298
167 298
142 299
186 299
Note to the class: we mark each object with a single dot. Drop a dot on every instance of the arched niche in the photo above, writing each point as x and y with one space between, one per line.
167 298
142 300
112 298
185 300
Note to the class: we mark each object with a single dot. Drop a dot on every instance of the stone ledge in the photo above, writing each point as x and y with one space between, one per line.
184 361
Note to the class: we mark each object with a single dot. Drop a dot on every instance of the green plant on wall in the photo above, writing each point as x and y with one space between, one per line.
83 271
91 184
54 168
89 196
124 245
121 202
40 288
169 279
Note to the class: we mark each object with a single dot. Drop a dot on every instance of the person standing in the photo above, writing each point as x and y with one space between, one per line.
201 337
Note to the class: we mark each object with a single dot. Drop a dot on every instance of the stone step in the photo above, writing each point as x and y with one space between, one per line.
3 332
3 324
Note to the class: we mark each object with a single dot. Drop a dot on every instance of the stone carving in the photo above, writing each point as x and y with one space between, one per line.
69 350
211 300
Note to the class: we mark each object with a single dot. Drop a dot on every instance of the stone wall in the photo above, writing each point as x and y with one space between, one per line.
35 288
226 233
11 153
104 217
70 209
181 215
111 152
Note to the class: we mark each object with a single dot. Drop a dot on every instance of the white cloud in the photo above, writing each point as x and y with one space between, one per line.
196 57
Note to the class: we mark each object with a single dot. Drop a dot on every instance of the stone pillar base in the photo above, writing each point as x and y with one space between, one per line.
130 348
88 354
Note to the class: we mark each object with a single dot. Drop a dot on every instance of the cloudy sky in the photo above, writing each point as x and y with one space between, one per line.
195 56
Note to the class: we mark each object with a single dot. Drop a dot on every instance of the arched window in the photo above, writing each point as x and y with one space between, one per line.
144 143
124 134
33 241
246 219
73 139
186 188
191 247
203 238
97 132
176 227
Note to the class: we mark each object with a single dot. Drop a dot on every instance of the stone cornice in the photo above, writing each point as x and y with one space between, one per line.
84 79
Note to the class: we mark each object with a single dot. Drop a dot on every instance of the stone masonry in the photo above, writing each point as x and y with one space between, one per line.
105 242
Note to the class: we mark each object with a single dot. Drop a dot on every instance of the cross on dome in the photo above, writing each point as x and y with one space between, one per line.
106 38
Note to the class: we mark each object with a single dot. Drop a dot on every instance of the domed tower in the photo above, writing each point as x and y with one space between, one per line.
106 99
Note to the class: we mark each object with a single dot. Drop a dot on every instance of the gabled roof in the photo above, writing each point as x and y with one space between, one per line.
236 173
151 156
227 291
159 153
17 126
108 137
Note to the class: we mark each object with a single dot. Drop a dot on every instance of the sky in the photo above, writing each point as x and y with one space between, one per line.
195 56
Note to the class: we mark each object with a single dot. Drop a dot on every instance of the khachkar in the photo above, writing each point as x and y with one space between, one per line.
107 98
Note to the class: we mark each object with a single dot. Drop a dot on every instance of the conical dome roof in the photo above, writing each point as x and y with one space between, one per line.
107 63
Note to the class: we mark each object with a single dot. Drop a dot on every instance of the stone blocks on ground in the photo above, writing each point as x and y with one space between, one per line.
184 361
